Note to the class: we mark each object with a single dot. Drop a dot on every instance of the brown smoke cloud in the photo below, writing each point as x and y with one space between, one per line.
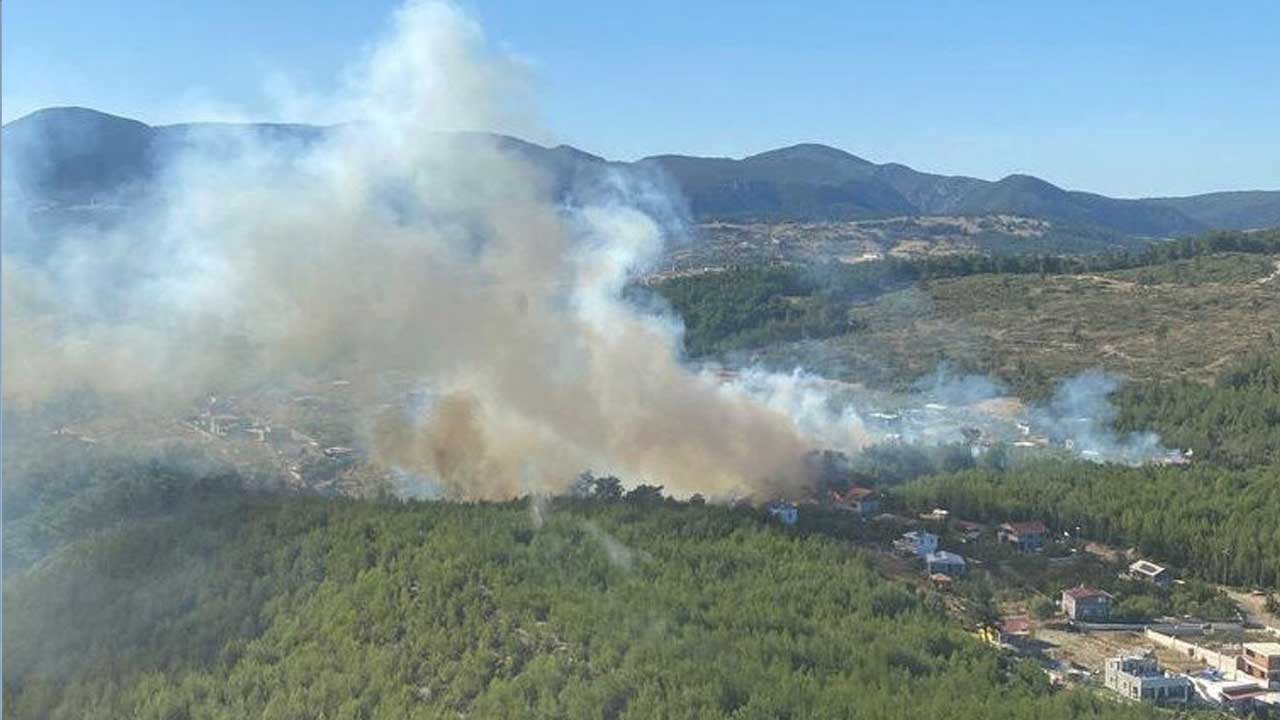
398 245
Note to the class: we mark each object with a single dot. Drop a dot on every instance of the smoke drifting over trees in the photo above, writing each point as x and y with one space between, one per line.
410 243
399 244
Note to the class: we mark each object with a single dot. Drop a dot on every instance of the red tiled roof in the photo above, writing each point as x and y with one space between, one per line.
858 493
1016 626
1031 527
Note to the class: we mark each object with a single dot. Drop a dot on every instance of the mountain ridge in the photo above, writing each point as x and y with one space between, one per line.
73 154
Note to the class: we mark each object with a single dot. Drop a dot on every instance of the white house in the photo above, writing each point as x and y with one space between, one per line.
917 543
944 563
1238 695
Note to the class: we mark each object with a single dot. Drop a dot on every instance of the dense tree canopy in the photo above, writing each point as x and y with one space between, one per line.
1219 524
1234 422
243 606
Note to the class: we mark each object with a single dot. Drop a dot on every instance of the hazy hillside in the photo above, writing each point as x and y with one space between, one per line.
72 157
81 155
809 182
1242 210
815 182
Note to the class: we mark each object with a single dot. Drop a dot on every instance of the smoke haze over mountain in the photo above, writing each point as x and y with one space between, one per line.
398 245
394 246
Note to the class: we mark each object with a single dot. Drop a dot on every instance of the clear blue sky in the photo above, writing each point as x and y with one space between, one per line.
1126 98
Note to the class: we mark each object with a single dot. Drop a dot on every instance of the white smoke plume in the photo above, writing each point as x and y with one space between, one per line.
407 244
1081 416
397 244
619 555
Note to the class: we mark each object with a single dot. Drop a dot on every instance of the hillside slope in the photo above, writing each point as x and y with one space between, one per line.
1243 210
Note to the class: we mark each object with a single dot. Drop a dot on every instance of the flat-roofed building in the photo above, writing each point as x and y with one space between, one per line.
1235 694
1138 677
1262 661
1151 572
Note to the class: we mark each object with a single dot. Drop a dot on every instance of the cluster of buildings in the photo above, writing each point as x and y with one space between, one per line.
222 418
1247 682
306 462
941 566
1024 537
1087 604
1251 688
858 500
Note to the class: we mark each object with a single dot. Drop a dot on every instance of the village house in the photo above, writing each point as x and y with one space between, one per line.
1087 604
1007 632
969 531
786 513
1262 661
1151 572
1138 677
944 563
1027 537
918 543
861 500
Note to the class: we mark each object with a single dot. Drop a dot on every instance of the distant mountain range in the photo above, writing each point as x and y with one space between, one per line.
72 157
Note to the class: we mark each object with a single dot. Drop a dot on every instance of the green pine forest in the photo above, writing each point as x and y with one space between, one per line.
233 605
